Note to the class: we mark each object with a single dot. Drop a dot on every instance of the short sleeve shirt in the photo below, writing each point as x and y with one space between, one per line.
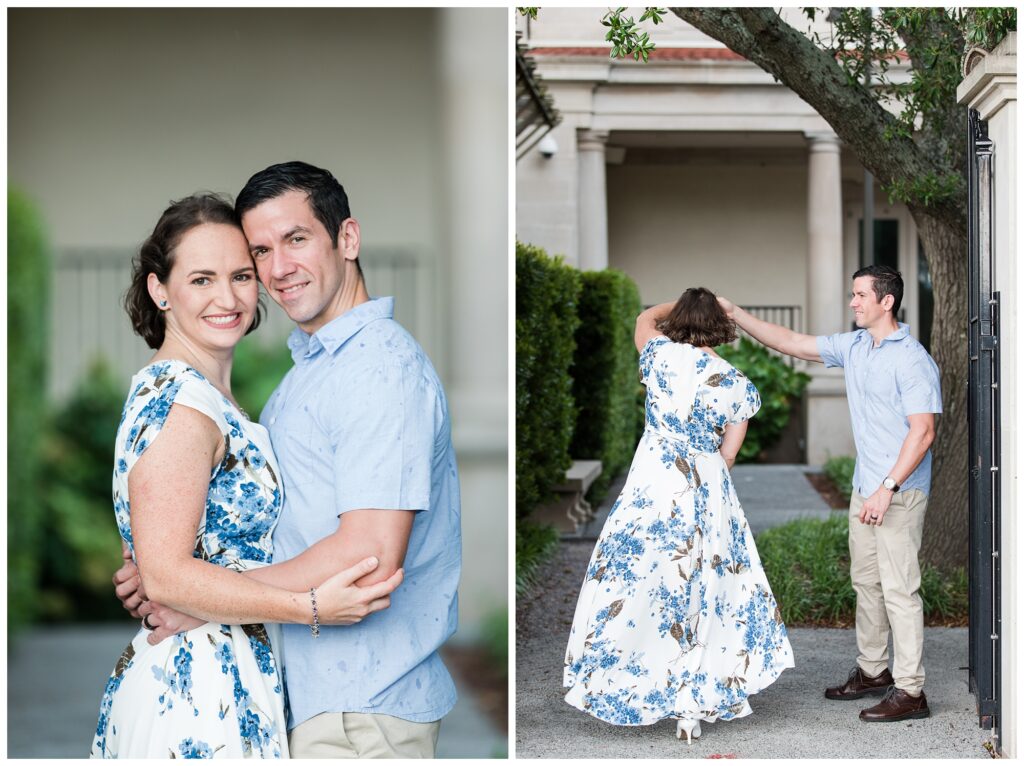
884 384
361 421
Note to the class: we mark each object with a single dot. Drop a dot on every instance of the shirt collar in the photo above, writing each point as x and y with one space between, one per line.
902 331
333 335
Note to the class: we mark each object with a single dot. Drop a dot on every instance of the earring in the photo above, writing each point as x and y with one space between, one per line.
163 304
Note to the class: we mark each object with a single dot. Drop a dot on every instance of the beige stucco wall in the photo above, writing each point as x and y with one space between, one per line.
668 226
114 112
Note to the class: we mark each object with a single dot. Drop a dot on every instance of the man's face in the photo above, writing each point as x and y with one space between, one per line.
297 263
867 310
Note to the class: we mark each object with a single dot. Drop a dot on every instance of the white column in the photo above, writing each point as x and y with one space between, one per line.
593 200
828 416
826 282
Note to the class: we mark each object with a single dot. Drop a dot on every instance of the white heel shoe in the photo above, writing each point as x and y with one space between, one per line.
692 728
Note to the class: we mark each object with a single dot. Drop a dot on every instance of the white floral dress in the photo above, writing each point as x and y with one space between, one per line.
675 618
217 690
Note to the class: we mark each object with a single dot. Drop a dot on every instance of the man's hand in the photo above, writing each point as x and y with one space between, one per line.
727 306
166 622
874 507
128 584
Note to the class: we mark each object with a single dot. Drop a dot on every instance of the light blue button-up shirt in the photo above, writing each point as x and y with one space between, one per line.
361 421
884 385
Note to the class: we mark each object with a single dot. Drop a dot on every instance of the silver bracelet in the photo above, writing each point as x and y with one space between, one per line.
315 627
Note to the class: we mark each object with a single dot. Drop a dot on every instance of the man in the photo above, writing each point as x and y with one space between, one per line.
893 390
360 428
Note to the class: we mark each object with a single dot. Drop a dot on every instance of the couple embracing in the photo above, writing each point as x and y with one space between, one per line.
676 619
295 577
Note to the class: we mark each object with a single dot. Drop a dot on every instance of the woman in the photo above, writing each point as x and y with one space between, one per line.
675 618
196 496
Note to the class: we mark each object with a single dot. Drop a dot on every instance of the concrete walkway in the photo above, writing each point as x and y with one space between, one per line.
791 719
770 495
56 676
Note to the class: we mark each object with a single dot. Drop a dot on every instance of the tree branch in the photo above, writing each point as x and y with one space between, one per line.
763 38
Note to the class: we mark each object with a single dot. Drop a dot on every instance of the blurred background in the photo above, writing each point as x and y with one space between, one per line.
112 113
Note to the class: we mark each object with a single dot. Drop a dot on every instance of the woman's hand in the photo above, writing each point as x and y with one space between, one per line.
340 602
166 621
128 584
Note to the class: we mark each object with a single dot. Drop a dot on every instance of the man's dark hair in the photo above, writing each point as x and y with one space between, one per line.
698 319
326 196
885 280
156 256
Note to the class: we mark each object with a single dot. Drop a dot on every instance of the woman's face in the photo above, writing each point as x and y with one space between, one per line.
212 291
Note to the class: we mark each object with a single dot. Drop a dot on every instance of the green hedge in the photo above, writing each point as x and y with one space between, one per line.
780 387
28 286
546 321
604 372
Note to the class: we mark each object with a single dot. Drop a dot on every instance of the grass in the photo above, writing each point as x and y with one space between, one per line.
840 471
808 566
535 544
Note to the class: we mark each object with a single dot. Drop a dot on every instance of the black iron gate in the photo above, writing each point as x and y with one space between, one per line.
983 412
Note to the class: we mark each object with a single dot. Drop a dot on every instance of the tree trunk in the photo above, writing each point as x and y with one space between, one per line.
946 522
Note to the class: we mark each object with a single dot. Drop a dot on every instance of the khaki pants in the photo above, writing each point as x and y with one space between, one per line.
886 577
362 735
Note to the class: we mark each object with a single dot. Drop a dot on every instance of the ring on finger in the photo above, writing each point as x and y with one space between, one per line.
146 625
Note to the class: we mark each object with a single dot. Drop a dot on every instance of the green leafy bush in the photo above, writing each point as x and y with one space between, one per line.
256 371
28 285
807 563
546 321
840 471
780 387
604 372
80 547
495 639
535 544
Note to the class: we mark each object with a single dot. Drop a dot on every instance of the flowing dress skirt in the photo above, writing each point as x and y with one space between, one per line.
675 618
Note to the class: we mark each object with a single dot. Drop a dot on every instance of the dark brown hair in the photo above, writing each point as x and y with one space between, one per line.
698 319
885 280
156 256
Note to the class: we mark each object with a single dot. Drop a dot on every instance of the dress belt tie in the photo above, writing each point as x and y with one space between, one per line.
682 441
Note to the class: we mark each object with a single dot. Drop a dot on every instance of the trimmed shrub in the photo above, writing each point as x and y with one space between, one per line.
780 387
28 287
546 321
605 379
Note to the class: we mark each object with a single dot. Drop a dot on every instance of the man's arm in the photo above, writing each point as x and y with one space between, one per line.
915 447
647 323
774 336
360 533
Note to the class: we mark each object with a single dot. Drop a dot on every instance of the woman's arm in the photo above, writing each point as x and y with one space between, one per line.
168 487
732 441
647 323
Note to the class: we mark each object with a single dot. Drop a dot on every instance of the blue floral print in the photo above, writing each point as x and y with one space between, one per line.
216 690
675 617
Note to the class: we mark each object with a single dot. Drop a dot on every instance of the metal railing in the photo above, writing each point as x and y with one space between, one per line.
87 317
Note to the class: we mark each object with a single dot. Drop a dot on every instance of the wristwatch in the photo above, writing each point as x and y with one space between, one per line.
890 484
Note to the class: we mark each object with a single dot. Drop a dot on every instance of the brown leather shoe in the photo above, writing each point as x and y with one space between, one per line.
897 705
860 684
